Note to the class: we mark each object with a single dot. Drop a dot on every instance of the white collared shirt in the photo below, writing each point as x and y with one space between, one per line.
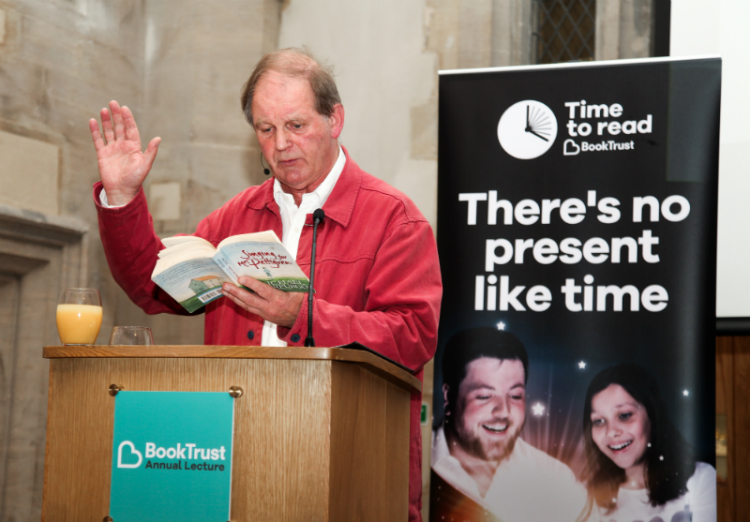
292 221
528 486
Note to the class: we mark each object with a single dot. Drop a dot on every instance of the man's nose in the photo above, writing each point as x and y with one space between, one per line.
281 140
500 406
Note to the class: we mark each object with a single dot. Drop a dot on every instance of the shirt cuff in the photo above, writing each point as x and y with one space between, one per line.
104 202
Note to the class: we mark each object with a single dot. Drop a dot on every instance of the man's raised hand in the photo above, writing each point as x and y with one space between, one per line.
122 164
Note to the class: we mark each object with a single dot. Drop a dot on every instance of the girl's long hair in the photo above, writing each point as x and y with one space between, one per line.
669 460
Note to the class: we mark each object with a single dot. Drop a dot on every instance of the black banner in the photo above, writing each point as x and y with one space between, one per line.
577 229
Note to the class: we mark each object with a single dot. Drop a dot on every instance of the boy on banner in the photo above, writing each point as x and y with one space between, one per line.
479 460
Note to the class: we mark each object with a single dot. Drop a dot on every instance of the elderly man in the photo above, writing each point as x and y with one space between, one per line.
377 275
483 469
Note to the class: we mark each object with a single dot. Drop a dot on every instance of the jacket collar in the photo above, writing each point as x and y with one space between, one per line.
340 204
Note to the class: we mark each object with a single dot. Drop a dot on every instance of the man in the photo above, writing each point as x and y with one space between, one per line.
377 275
482 468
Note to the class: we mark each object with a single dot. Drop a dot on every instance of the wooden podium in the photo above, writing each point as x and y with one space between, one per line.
321 434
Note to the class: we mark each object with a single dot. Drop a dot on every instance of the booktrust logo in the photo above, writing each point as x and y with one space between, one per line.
176 457
527 129
133 451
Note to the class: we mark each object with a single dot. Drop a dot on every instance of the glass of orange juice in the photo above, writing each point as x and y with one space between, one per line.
79 316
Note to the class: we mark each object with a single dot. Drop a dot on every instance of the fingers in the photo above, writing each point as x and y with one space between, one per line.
151 150
95 134
242 298
281 308
114 108
131 129
263 290
109 133
118 123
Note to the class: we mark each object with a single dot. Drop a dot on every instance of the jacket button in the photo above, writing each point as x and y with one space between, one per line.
250 335
295 338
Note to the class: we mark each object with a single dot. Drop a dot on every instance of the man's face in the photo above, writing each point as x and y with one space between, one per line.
491 407
298 143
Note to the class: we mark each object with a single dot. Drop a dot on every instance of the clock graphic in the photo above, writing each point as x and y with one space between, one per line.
527 129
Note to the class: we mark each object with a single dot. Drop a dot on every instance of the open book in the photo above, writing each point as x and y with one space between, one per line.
192 270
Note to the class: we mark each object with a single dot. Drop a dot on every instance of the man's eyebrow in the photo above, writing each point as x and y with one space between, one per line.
478 386
483 386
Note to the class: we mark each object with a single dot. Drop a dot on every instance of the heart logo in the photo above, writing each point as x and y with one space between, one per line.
570 148
133 451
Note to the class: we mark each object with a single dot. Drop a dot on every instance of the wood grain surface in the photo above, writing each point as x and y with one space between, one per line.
315 440
376 364
725 406
741 428
369 447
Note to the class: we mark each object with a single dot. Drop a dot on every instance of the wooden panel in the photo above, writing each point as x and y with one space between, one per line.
369 447
282 441
281 432
375 364
79 445
397 448
741 446
725 406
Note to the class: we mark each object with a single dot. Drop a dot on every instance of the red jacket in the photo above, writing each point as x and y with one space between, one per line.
377 277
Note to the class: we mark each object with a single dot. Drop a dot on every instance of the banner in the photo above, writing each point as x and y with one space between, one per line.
172 456
574 377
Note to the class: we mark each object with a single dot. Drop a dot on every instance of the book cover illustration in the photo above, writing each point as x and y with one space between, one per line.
192 271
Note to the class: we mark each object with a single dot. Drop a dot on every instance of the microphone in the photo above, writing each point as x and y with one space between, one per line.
266 170
318 217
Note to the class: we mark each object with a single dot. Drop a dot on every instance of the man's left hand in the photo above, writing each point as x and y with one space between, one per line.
281 308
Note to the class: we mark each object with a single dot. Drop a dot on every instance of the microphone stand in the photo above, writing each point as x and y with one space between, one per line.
318 217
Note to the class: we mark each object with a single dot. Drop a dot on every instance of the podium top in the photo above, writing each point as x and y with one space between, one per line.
380 366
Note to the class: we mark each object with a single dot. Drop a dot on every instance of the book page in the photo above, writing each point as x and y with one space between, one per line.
178 240
266 236
192 283
187 250
268 262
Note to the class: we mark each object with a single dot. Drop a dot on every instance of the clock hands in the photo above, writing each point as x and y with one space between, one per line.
528 126
536 134
529 129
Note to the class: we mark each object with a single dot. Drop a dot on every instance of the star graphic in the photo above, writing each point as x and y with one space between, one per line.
582 365
685 393
538 409
501 325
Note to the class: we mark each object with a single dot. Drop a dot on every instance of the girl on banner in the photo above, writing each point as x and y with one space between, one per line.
638 466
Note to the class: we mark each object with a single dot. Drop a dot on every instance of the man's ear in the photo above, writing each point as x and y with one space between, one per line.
336 120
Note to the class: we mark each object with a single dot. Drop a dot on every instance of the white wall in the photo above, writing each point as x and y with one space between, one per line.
376 48
719 27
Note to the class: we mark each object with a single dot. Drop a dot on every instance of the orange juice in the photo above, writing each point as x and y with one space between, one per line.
78 323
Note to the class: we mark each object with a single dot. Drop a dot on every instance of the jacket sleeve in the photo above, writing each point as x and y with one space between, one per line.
131 246
403 292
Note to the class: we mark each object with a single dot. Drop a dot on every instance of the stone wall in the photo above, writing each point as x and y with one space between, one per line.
57 60
180 65
196 58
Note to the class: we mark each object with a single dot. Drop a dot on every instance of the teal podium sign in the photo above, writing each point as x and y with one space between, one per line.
172 457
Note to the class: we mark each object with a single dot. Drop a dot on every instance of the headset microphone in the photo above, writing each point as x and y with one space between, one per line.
266 171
